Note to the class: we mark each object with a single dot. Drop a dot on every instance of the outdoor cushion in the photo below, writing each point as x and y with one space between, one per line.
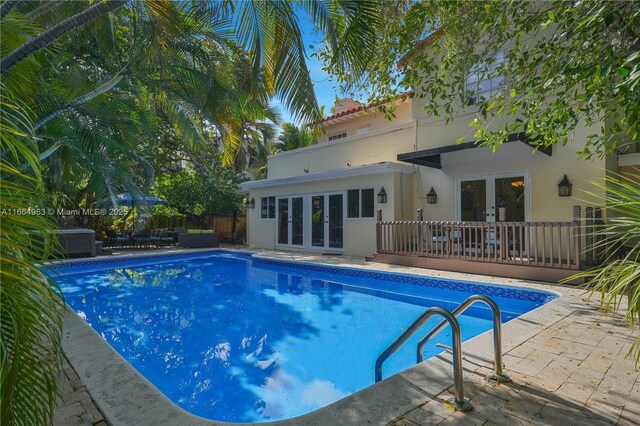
193 240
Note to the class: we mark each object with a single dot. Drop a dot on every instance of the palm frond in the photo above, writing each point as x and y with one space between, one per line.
618 278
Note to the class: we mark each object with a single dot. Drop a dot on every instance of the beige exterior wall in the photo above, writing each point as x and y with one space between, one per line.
410 131
376 147
361 123
544 172
359 233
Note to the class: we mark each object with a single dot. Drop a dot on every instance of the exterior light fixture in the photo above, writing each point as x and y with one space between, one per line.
564 187
252 204
382 196
432 197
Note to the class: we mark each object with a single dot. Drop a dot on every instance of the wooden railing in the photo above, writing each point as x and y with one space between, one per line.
543 244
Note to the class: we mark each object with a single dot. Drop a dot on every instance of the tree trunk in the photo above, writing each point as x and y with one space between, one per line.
7 7
105 87
57 31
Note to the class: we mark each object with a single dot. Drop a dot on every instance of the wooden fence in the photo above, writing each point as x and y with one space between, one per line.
221 225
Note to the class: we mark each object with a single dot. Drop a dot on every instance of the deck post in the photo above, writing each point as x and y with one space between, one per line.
589 236
597 236
420 242
378 230
577 235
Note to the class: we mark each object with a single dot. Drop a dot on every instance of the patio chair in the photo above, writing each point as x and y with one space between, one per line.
446 241
160 237
142 238
113 239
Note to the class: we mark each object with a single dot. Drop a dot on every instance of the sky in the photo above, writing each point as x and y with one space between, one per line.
325 89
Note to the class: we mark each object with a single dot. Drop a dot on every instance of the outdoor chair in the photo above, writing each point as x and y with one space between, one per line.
141 238
113 239
446 241
160 237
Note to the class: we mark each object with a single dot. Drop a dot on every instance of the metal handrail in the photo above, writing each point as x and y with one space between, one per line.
498 374
458 402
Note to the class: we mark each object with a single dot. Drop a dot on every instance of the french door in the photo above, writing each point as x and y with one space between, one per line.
290 230
327 221
493 198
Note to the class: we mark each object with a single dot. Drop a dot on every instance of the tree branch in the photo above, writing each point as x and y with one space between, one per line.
85 98
7 7
57 31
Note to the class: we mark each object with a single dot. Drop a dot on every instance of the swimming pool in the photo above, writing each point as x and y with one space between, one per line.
234 338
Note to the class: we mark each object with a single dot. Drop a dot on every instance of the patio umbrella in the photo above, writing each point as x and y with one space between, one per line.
129 200
126 199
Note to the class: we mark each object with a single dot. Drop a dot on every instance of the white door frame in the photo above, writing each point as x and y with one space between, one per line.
290 221
490 179
306 221
326 220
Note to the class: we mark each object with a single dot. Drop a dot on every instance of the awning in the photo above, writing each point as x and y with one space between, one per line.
431 157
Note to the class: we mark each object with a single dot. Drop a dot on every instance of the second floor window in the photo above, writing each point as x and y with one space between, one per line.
482 81
337 136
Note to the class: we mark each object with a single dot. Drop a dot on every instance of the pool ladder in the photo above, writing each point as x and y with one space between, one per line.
458 402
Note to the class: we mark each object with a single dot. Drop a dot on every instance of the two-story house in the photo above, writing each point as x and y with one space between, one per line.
324 197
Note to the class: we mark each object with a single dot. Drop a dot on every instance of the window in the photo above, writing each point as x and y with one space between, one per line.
268 208
360 203
337 136
367 203
482 81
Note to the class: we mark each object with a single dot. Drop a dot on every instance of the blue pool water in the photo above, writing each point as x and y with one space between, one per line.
232 338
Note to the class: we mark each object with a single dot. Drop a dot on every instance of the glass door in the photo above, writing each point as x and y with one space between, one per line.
509 199
473 201
283 221
336 221
318 231
297 226
290 221
493 198
327 221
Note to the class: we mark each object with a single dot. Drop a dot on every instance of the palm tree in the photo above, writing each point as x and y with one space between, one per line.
73 124
30 321
618 277
293 137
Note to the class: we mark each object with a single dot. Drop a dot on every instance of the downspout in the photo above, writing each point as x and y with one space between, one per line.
402 195
417 167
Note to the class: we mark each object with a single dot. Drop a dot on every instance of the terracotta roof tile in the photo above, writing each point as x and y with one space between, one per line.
408 94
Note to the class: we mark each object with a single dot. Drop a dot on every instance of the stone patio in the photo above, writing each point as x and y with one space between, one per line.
78 408
573 371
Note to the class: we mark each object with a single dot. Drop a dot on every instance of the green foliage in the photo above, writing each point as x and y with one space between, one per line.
619 276
196 196
30 321
293 137
82 101
565 63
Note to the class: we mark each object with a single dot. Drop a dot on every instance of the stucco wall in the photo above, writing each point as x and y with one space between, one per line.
545 173
371 120
351 152
359 233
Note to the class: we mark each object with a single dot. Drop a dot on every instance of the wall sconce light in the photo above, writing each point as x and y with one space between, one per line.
252 204
382 196
432 197
564 187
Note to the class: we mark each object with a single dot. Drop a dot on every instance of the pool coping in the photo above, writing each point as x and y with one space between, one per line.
126 397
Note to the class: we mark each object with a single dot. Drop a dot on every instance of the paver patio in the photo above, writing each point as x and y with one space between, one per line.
572 372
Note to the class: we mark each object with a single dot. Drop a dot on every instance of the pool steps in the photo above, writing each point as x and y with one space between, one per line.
458 402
